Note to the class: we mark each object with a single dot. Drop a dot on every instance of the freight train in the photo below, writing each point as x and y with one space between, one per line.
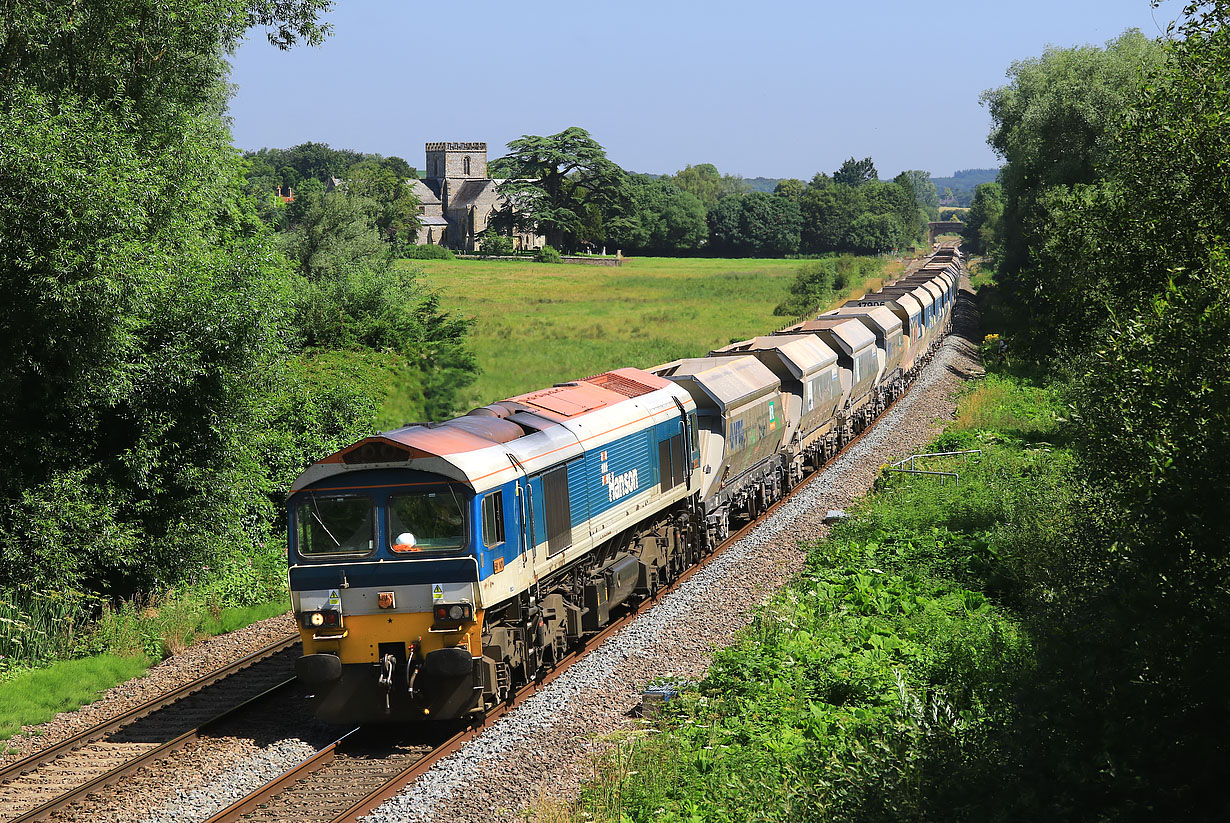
437 567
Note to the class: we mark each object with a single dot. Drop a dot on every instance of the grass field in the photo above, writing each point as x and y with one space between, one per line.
539 324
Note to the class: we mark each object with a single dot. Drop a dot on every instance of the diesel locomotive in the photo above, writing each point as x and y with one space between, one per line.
437 567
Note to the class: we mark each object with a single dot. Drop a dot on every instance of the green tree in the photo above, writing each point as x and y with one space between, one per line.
663 217
157 396
855 172
925 193
790 188
828 213
984 223
756 225
337 232
393 206
559 183
1050 126
707 184
145 312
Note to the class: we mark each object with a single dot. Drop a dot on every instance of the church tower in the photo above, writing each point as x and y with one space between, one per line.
457 161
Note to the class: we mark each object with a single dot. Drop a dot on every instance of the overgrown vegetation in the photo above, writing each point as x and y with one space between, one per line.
863 690
825 281
171 363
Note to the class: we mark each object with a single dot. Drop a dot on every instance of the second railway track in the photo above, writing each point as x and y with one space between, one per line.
50 779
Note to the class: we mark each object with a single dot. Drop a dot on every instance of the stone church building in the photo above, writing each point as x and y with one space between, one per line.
457 198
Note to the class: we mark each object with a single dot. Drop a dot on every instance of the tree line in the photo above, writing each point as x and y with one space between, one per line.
566 187
171 363
1109 232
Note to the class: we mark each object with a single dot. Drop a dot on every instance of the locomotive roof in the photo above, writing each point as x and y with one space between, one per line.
524 433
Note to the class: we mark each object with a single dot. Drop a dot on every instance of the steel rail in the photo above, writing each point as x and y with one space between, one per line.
101 730
398 782
133 765
254 799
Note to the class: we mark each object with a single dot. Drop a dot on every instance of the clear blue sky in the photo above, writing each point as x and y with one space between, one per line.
782 88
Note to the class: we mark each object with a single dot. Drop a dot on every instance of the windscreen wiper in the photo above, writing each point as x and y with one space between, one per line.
316 514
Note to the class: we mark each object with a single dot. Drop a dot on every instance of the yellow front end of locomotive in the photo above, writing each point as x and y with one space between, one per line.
366 638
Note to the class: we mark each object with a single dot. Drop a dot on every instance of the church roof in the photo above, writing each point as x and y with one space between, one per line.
423 192
432 220
469 192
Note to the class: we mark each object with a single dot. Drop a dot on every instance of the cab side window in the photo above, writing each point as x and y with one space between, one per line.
493 519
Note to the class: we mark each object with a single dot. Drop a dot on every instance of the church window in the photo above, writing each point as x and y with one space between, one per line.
466 163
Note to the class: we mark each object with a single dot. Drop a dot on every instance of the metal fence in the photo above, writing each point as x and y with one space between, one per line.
900 465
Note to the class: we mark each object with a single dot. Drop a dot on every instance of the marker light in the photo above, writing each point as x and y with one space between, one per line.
317 619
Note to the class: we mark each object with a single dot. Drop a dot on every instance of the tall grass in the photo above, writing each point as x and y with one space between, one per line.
1008 405
39 626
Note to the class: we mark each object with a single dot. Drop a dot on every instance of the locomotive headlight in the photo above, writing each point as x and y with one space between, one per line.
321 619
453 612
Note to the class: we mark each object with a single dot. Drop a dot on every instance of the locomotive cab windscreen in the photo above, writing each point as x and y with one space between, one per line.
339 523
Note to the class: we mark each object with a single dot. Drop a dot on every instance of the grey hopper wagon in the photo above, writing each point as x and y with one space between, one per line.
926 301
811 387
938 289
909 311
739 412
856 353
890 341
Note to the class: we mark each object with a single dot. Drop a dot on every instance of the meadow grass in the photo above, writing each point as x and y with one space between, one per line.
35 696
539 324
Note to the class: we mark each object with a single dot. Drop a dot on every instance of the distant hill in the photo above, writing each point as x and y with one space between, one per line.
765 184
963 184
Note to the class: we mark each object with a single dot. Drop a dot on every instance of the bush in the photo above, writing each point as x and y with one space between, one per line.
818 282
548 255
496 245
427 251
812 286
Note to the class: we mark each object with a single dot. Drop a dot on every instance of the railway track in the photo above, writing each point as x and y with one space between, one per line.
46 782
342 783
